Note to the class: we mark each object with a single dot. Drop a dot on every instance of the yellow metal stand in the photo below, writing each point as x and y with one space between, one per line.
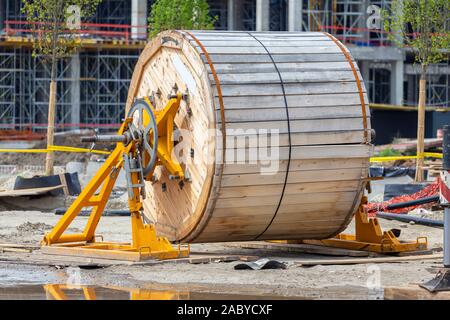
370 237
145 242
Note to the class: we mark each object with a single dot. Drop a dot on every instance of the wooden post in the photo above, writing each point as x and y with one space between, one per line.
50 157
420 129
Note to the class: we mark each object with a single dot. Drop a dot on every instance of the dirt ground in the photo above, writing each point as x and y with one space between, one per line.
335 282
21 226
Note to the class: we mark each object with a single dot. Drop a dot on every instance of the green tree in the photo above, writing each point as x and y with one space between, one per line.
422 26
180 14
56 25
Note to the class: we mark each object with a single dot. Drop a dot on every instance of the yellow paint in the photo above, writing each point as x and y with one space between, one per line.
370 237
165 121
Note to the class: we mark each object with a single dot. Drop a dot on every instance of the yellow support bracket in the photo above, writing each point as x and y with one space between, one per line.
369 237
145 242
165 124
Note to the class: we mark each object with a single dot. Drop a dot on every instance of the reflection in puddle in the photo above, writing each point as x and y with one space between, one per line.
81 292
71 292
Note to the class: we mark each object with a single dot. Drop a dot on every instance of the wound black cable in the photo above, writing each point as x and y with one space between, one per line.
289 135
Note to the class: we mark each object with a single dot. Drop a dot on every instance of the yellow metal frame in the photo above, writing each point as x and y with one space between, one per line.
370 237
164 122
145 243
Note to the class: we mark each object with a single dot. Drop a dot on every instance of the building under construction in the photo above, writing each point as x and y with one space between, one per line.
93 84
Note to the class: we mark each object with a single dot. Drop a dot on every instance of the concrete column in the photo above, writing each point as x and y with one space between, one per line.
295 15
262 15
411 92
139 19
75 89
364 67
397 73
231 15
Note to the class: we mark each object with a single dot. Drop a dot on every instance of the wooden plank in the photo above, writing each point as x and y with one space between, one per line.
290 88
288 77
40 258
300 248
279 114
251 58
284 209
293 101
413 292
19 246
273 50
251 155
15 250
309 125
291 188
304 198
268 67
435 256
28 192
296 165
268 42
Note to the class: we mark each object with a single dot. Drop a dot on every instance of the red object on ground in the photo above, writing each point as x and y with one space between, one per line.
431 190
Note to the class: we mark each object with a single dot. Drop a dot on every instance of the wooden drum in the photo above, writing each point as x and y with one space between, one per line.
295 102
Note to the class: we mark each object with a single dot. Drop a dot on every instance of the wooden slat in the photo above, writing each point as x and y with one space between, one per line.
237 68
313 88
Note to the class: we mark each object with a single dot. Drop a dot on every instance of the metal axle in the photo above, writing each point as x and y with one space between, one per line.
107 138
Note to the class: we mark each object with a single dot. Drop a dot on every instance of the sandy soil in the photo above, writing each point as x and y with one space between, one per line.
349 281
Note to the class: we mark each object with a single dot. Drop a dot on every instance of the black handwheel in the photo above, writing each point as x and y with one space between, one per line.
147 131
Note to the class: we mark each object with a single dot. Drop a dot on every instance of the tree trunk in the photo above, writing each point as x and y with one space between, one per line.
50 157
421 127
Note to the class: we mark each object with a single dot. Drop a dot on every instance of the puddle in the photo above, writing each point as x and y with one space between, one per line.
72 292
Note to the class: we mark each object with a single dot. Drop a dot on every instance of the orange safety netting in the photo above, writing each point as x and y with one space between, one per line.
431 190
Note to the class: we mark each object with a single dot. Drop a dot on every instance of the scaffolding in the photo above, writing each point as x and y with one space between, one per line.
15 87
219 9
438 85
346 20
278 15
91 89
105 78
24 88
317 15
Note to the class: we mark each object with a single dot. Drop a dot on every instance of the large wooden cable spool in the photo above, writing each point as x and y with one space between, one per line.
306 85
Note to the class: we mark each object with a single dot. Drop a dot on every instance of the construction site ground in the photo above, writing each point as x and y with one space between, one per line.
320 281
209 273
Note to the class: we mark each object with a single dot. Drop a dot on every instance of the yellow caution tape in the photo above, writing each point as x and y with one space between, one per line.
74 149
55 148
394 158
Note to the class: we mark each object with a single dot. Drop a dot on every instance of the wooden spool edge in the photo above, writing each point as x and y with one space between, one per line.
189 232
360 86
